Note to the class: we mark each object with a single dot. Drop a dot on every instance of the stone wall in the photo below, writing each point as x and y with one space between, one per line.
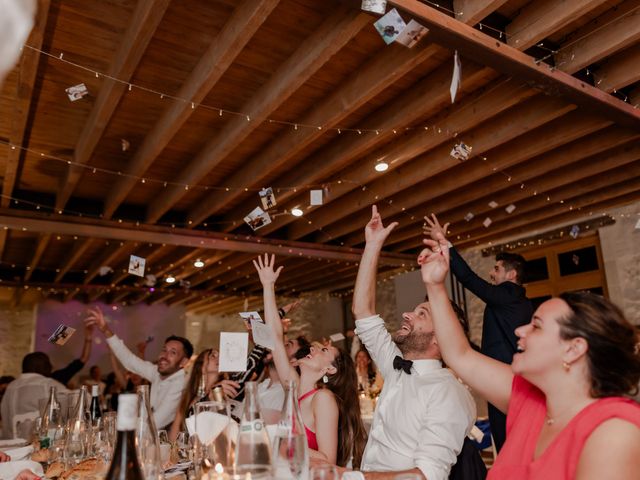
17 335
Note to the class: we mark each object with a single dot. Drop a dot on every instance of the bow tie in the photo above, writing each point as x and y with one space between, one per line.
400 363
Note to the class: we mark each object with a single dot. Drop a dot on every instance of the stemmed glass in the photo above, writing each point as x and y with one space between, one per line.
211 426
182 445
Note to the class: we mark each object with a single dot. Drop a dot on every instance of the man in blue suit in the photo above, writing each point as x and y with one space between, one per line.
507 308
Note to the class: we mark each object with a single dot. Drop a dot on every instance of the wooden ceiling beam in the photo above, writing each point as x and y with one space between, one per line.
567 181
594 202
4 233
522 118
538 20
620 71
543 139
472 11
108 256
429 95
486 50
367 82
334 33
599 40
226 46
43 242
73 256
150 253
107 229
471 197
27 73
144 22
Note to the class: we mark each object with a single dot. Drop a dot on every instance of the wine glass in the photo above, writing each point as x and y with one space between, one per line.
324 472
165 447
182 444
211 426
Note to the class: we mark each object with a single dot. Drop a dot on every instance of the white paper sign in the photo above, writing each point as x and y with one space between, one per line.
136 265
315 197
234 347
455 78
336 337
487 222
262 334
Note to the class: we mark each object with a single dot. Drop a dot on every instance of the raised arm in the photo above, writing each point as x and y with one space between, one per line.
490 378
268 278
364 293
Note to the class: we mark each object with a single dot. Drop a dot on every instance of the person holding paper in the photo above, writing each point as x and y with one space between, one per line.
167 377
326 374
566 392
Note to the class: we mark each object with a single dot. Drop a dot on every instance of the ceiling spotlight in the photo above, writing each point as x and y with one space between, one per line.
296 212
170 279
198 263
381 166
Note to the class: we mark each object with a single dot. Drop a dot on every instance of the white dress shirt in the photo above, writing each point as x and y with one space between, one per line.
420 419
270 395
22 396
165 392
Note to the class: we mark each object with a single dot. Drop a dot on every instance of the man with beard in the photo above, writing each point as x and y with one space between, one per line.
423 413
167 377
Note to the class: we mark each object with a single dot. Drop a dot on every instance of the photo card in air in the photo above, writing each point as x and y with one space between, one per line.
257 219
61 335
136 265
267 198
390 26
76 92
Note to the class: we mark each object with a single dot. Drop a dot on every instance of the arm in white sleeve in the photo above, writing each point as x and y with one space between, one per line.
131 361
374 335
448 418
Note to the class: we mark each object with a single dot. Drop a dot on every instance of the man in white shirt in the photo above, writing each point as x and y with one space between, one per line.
423 413
167 377
23 394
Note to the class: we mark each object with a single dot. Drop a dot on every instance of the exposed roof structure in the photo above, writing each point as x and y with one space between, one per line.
194 106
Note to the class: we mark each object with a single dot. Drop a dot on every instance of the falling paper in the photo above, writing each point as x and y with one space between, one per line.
510 208
575 231
150 280
104 270
487 222
374 6
411 34
469 216
455 78
16 22
233 351
390 26
267 198
493 204
249 316
125 144
61 335
262 334
315 197
136 265
461 151
575 259
77 92
257 219
336 337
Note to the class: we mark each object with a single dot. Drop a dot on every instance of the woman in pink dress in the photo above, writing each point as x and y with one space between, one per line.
566 392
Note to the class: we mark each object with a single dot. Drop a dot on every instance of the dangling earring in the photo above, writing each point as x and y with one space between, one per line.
566 366
325 379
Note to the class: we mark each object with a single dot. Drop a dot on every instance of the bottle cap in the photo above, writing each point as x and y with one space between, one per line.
95 390
127 411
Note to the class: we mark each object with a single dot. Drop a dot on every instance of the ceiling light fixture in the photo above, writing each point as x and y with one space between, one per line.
198 263
170 279
296 212
381 166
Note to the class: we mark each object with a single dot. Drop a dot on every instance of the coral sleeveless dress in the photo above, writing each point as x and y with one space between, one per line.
525 418
312 441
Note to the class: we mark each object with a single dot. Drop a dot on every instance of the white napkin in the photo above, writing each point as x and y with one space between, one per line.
21 453
210 425
10 470
12 443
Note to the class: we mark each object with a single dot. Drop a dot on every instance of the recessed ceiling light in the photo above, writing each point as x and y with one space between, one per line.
296 212
170 279
198 263
381 166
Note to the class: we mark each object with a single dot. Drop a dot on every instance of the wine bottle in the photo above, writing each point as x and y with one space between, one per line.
94 409
125 465
147 437
51 420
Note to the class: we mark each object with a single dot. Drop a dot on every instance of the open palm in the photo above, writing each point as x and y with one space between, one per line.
268 275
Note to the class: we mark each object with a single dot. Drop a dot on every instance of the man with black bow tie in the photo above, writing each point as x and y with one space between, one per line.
423 413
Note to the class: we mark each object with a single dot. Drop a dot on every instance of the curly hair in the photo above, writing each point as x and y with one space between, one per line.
612 356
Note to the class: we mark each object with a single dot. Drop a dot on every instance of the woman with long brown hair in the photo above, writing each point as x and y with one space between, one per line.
327 386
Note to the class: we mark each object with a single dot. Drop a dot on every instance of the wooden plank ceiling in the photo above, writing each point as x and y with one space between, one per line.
194 106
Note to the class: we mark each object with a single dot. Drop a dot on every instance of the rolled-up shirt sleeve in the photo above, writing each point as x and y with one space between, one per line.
448 417
374 335
131 361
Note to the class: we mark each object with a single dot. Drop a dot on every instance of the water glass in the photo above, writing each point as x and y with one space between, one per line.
165 447
182 445
324 472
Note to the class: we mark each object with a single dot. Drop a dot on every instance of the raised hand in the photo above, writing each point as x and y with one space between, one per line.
433 229
265 269
96 318
434 261
375 232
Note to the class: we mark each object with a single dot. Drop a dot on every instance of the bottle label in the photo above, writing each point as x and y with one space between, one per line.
254 426
95 390
127 411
